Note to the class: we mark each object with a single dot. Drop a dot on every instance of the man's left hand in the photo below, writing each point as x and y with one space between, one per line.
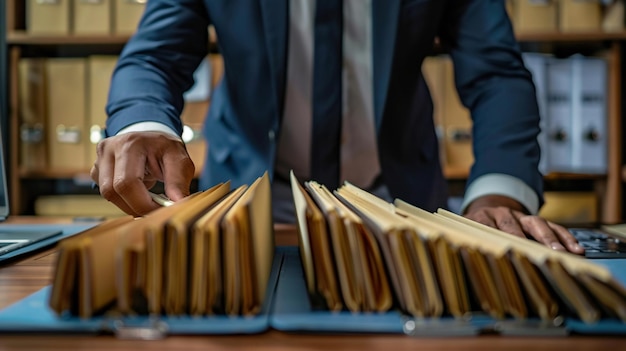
508 215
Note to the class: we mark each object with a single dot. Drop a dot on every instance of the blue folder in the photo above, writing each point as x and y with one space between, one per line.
33 315
293 312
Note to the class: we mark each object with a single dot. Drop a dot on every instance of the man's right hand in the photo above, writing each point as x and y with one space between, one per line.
128 165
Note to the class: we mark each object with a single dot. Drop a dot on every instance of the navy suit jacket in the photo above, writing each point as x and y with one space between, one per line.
244 120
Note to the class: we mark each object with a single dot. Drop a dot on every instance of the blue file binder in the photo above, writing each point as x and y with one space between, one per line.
33 315
293 312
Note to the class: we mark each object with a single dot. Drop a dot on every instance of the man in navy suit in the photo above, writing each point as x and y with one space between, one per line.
291 63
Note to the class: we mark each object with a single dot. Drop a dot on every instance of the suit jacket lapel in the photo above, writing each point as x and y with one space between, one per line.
275 15
384 25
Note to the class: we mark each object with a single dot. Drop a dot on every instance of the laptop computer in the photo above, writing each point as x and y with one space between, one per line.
600 243
13 238
19 239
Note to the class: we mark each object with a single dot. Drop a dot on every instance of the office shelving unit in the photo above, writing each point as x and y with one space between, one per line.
20 43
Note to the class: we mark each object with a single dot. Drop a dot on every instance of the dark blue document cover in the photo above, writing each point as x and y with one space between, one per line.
293 312
32 315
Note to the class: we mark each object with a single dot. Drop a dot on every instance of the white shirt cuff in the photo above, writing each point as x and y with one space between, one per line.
148 127
502 184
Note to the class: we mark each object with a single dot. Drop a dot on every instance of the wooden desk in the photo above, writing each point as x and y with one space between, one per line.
29 275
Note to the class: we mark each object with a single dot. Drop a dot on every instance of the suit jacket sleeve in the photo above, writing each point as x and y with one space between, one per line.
157 64
494 84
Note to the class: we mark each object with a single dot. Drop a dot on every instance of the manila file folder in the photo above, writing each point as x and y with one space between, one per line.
66 134
446 275
127 15
50 17
99 73
149 272
32 111
91 17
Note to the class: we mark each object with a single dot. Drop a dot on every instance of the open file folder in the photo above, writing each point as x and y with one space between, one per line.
210 253
294 311
441 266
201 265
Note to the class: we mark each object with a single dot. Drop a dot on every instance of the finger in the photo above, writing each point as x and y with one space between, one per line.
178 173
152 173
539 229
482 217
128 182
567 238
104 178
507 222
93 173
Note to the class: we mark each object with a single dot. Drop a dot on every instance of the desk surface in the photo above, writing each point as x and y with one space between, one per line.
34 272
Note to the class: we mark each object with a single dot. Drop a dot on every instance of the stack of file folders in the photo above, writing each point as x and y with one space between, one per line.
209 254
208 265
364 254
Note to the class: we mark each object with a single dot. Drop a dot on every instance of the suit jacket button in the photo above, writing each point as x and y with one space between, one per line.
270 135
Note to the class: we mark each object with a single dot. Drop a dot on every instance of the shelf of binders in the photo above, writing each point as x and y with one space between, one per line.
18 37
73 47
24 38
611 180
454 124
595 36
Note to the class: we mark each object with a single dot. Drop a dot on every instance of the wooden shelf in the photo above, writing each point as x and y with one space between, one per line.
452 173
571 37
23 38
77 174
52 174
23 44
457 173
574 176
